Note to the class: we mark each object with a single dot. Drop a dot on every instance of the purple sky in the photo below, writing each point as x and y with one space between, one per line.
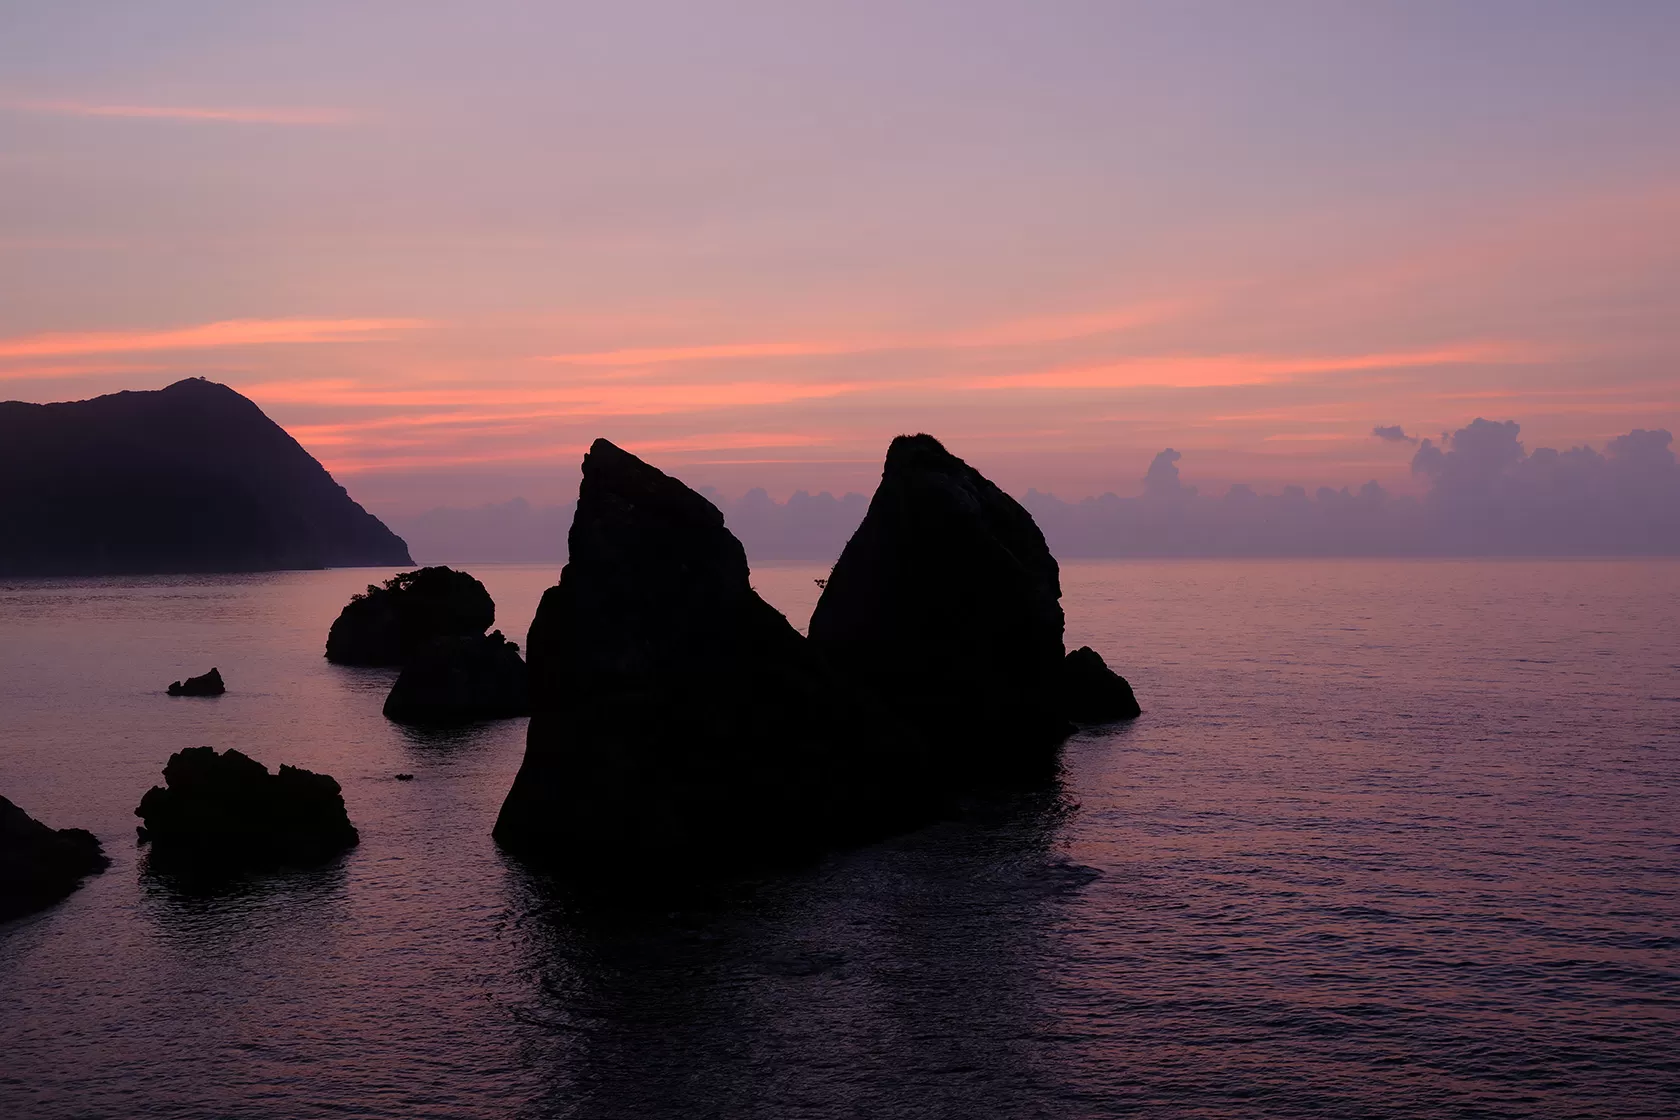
448 244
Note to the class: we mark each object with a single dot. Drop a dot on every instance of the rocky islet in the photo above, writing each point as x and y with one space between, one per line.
391 622
226 809
208 684
679 721
680 725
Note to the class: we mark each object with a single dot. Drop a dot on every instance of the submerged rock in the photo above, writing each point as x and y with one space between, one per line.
947 601
40 865
210 684
461 679
679 723
389 624
1091 692
228 809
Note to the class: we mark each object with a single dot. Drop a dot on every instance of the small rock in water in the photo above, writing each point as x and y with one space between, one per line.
1092 692
210 684
228 809
40 865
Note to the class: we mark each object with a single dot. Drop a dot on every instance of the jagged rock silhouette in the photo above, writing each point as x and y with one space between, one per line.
680 725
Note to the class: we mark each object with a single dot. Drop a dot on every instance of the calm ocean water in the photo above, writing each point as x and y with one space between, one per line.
1392 839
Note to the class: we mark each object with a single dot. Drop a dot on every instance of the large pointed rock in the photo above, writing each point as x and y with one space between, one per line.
947 602
679 724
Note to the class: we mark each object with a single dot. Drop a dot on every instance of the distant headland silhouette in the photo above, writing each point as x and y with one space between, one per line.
189 478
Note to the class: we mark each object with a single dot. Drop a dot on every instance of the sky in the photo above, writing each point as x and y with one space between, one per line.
447 245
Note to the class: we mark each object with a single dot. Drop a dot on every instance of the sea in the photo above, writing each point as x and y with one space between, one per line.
1390 839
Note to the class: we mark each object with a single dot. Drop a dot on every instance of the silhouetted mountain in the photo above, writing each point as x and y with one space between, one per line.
191 478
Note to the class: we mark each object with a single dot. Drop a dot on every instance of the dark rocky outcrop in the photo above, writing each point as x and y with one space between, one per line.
227 809
680 725
210 684
947 602
460 679
1091 692
389 624
40 865
191 478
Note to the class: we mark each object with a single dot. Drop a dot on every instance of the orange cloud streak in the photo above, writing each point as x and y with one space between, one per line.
206 336
652 355
1026 332
592 400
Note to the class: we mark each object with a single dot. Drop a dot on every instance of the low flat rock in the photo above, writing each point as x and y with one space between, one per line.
210 684
458 680
226 808
40 865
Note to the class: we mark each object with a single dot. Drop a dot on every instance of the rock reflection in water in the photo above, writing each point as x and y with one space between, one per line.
856 988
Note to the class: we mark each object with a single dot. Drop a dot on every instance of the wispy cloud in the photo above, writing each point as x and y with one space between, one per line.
211 114
206 336
1022 332
1196 371
659 355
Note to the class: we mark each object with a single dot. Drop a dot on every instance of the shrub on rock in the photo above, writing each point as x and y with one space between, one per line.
390 623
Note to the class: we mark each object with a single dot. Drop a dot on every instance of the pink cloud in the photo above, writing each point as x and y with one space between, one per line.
274 116
1196 371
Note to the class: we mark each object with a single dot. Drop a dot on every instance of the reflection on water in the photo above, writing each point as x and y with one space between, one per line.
846 990
1390 840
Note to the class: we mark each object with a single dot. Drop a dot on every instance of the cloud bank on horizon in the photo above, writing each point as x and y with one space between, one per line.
1486 495
756 240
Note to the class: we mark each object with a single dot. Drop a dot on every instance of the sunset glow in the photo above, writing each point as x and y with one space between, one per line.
445 295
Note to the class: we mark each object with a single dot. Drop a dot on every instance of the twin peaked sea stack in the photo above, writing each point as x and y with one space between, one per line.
682 726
